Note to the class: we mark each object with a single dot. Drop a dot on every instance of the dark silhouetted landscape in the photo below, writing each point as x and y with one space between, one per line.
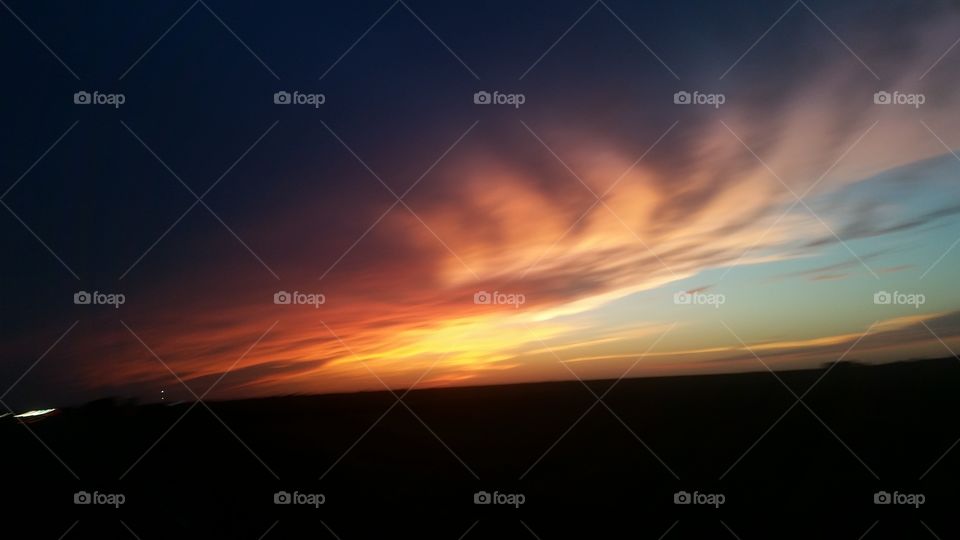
899 419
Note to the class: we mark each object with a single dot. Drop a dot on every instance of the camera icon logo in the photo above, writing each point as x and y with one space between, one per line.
682 98
81 497
482 98
281 98
881 497
482 497
882 298
282 497
82 298
482 298
81 98
282 297
682 298
882 98
681 497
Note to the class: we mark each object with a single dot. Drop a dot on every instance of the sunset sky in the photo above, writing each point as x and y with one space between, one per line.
598 199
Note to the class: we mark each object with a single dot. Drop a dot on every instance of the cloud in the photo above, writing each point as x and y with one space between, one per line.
501 212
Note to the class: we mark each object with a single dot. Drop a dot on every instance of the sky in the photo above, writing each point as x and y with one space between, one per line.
801 209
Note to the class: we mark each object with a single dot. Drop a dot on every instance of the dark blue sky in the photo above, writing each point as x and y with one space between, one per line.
202 96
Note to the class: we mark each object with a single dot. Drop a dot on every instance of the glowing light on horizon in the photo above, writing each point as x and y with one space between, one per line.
36 412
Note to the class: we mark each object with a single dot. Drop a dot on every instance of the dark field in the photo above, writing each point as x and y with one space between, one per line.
879 429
